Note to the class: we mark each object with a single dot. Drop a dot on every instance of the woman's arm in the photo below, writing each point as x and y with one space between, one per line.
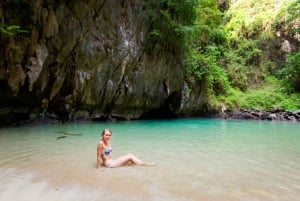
99 152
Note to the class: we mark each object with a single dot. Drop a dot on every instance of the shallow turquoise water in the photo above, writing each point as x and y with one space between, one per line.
197 159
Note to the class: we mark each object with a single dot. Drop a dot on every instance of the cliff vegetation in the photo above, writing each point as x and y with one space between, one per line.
98 59
246 54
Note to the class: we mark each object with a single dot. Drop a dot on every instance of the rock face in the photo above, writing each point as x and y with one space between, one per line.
93 59
86 59
275 114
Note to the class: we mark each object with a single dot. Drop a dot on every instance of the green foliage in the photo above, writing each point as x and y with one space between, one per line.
288 19
209 23
12 30
240 60
201 61
248 18
291 72
171 21
193 64
17 14
227 58
268 96
204 67
287 23
237 75
247 25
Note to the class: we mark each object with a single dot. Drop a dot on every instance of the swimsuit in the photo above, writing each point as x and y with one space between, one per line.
106 151
108 163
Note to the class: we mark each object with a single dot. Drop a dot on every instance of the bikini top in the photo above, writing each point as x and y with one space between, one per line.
107 151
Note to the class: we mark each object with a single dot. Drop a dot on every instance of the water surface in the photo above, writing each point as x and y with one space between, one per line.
197 159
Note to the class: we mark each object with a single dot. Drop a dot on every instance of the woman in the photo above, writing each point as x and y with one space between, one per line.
104 154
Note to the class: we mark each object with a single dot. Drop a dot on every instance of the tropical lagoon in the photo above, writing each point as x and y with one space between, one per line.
196 159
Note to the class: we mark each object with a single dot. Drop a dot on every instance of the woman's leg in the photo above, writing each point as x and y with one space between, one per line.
128 158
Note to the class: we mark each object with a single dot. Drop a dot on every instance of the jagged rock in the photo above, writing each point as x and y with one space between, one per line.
36 64
276 114
80 56
273 116
83 61
81 115
16 79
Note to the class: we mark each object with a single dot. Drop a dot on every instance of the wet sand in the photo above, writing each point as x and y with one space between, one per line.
21 186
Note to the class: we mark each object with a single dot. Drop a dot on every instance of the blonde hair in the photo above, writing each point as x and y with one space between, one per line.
106 129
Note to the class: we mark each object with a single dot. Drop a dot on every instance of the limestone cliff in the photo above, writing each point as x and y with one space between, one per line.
85 59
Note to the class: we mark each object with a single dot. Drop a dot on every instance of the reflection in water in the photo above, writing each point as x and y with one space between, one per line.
197 159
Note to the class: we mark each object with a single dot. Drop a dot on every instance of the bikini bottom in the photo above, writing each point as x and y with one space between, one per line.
108 163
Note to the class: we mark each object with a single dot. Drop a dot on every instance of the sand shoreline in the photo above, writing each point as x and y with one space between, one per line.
21 185
17 185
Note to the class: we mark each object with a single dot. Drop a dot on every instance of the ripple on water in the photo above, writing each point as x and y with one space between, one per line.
197 159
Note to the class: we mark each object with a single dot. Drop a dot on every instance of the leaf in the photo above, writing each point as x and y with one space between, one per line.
13 27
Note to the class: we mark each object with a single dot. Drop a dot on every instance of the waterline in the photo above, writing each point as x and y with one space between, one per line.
197 159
